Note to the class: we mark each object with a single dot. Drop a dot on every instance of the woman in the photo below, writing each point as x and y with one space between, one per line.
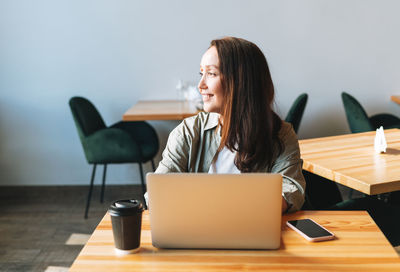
238 132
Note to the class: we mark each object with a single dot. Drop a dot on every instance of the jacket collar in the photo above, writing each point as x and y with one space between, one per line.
212 121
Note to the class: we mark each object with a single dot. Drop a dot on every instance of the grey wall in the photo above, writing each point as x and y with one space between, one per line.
116 52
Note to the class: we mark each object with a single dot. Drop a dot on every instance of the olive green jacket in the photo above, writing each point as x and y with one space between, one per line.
192 145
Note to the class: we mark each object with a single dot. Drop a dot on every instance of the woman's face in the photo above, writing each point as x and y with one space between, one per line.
210 86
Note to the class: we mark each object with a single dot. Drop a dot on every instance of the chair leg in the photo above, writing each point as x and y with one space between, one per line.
143 184
152 164
103 184
90 191
142 178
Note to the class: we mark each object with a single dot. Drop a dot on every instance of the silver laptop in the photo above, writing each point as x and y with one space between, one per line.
215 211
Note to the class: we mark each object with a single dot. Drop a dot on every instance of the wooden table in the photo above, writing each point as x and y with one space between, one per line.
160 110
352 161
395 98
360 246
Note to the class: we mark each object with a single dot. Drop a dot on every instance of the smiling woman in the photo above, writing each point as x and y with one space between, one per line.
239 132
210 83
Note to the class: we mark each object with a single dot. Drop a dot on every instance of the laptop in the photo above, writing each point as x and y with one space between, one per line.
215 211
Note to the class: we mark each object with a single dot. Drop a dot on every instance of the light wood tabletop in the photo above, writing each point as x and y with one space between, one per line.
360 246
160 110
395 98
352 161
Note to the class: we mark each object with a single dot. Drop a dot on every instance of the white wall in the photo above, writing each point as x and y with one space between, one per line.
116 52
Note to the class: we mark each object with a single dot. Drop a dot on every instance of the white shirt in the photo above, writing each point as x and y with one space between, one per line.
225 163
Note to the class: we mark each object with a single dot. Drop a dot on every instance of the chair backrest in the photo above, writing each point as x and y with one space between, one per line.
356 116
296 111
87 119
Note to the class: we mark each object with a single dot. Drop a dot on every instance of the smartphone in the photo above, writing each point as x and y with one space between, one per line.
310 230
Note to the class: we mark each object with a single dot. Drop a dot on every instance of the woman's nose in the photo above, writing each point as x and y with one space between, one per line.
202 84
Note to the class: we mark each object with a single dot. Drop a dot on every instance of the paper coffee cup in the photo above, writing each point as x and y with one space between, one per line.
126 220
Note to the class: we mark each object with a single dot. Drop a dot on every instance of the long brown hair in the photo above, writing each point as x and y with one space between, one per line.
250 126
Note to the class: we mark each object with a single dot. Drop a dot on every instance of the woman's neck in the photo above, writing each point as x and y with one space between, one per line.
221 120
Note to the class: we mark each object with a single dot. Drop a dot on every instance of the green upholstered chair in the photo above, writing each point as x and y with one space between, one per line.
360 122
321 193
296 111
122 142
324 194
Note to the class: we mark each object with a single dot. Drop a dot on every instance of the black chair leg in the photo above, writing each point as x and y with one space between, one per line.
103 184
142 178
143 184
90 191
152 164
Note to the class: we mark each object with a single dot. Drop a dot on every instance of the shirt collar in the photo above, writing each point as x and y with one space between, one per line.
212 121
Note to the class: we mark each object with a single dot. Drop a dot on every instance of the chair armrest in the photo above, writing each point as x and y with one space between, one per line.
141 131
111 145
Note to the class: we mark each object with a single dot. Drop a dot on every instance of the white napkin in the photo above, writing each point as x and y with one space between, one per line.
380 141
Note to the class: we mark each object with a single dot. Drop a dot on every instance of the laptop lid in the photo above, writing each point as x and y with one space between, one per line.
230 211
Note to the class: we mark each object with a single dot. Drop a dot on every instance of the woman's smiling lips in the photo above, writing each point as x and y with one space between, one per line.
206 96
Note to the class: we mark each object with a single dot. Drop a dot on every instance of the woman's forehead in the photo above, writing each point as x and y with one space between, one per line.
210 58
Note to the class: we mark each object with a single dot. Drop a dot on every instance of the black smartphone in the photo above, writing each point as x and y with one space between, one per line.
310 230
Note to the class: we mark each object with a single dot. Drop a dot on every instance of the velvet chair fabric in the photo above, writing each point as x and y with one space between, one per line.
123 142
359 121
296 111
321 193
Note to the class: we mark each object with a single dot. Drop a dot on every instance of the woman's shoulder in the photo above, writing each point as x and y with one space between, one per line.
287 134
196 124
290 145
286 127
201 121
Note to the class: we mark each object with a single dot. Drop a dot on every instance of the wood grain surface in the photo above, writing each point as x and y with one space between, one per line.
160 110
360 246
352 161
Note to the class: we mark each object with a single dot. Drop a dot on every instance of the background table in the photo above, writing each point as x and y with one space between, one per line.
352 161
395 98
160 110
360 246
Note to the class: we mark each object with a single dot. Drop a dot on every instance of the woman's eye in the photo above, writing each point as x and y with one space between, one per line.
208 74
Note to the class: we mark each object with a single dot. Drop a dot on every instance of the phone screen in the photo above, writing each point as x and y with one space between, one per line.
309 228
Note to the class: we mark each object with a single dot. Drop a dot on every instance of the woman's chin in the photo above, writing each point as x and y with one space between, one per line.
210 108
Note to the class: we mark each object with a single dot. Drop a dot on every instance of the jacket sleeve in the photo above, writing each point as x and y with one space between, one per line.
289 164
176 153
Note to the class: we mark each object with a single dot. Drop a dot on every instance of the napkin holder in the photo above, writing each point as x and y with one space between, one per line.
380 144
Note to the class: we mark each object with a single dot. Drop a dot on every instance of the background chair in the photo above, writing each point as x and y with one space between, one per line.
296 111
122 142
321 193
324 194
359 121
